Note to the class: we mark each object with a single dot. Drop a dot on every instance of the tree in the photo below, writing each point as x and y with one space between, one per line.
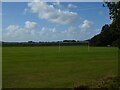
110 34
104 38
114 12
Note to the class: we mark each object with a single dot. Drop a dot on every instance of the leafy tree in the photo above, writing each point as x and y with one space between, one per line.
110 34
114 12
102 39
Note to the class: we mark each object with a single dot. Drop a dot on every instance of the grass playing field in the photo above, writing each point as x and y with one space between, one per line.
0 67
48 67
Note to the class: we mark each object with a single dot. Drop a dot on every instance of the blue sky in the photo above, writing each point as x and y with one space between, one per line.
53 21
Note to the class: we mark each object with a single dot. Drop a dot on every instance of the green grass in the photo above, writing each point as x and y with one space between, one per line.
47 67
0 67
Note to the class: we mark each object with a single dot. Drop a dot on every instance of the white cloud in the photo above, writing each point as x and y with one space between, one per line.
57 4
14 31
53 33
70 32
17 33
111 0
30 25
47 31
25 10
71 6
50 13
12 27
30 32
85 25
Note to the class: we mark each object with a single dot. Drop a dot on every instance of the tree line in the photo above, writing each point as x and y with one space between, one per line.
57 43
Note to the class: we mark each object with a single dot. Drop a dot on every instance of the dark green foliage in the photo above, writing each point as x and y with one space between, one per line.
104 38
69 40
114 10
44 44
110 34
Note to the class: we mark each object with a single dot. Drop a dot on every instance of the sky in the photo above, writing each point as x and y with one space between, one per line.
52 21
0 21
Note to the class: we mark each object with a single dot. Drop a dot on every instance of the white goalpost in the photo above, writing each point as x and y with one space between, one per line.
88 47
59 46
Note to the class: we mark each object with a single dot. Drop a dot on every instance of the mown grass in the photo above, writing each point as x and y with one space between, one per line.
0 66
49 67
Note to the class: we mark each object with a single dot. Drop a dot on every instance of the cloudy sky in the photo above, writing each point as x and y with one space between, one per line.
53 21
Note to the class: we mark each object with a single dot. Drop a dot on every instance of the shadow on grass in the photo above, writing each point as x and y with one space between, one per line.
108 83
